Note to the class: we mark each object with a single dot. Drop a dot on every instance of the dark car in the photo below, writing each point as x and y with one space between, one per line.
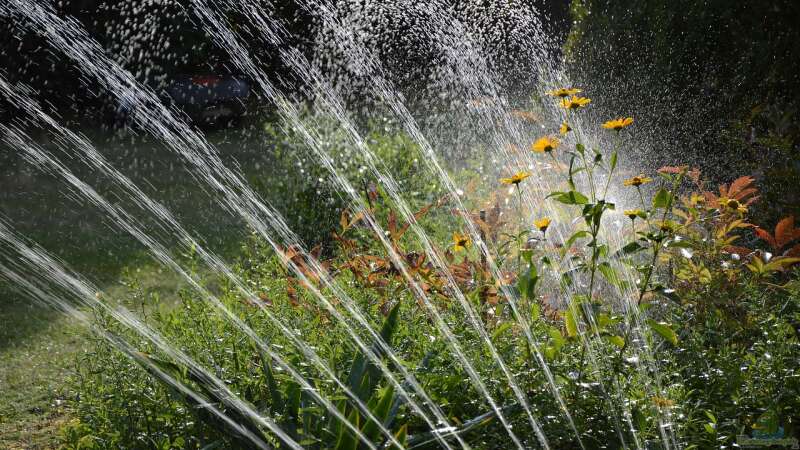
204 98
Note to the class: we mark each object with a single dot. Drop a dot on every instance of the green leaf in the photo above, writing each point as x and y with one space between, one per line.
527 282
616 340
575 236
679 244
663 199
609 273
570 323
402 435
535 312
381 412
580 148
566 279
364 376
500 330
631 248
571 180
347 438
276 404
556 337
664 330
526 254
569 198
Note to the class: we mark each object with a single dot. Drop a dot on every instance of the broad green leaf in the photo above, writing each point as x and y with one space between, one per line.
631 248
664 330
616 340
556 337
569 198
679 244
570 323
662 199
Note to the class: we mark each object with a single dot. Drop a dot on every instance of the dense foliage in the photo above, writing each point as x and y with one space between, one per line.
673 330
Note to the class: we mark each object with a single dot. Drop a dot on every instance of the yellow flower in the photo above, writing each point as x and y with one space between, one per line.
633 213
732 204
575 102
516 178
565 128
542 224
545 145
618 124
460 242
563 92
637 181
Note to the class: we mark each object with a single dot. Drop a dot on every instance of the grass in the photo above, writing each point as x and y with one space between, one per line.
38 352
37 349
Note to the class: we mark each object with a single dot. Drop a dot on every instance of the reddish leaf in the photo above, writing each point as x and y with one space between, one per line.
785 232
740 184
764 235
392 225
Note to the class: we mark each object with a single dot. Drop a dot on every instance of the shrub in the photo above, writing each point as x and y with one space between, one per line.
673 330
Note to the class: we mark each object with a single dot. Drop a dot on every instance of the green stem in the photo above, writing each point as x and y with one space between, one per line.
644 207
520 229
611 172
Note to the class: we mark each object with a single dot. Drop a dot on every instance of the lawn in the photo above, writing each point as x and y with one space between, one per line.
39 347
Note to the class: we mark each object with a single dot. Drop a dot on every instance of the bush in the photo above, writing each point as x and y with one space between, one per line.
670 329
303 190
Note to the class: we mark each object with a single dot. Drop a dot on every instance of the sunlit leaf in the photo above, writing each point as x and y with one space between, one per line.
569 198
664 330
662 199
570 323
616 340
